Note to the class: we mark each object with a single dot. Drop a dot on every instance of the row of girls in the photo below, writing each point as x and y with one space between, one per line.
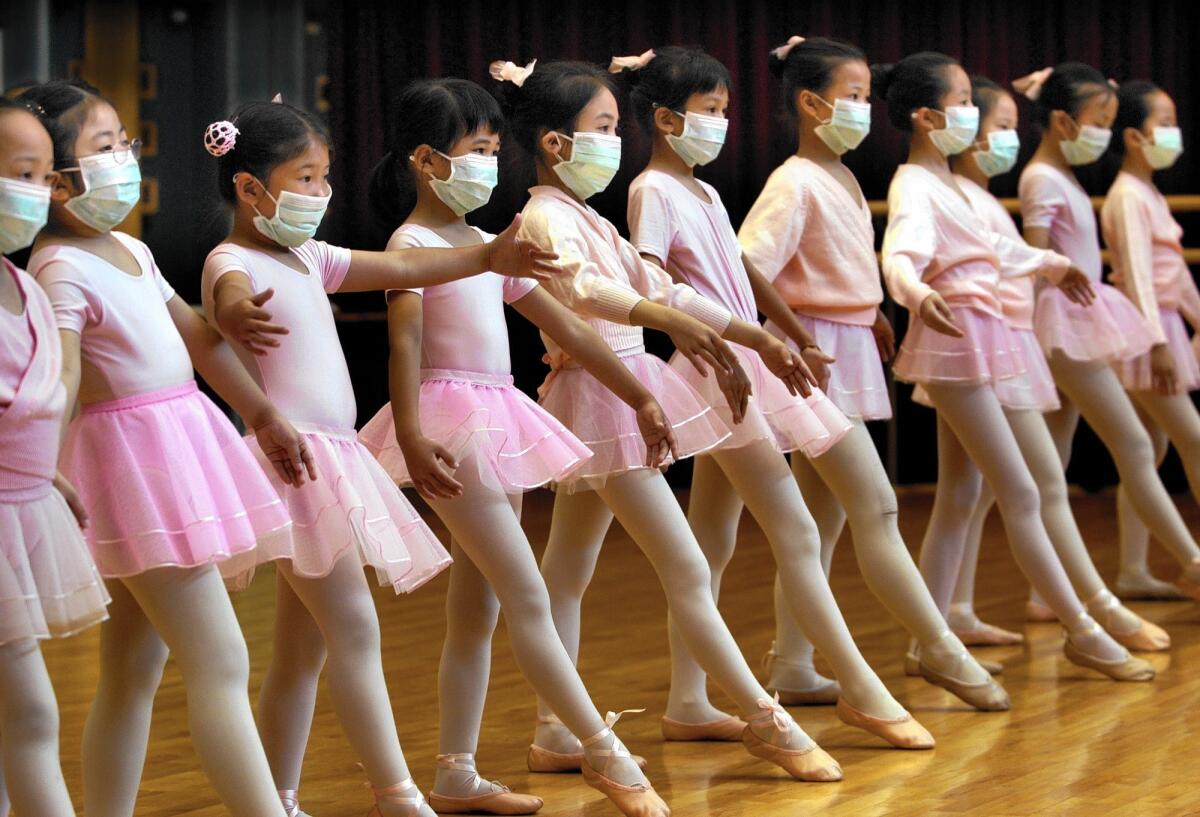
174 506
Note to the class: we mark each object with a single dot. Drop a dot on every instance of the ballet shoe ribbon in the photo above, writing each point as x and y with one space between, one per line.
610 720
771 709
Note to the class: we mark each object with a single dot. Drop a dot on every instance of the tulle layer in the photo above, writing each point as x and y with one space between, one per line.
857 385
609 427
49 585
1110 329
516 444
790 422
986 353
167 482
1034 390
1135 372
353 507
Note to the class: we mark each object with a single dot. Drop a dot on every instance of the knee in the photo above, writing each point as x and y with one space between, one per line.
689 576
220 662
1138 449
474 623
355 633
961 495
567 586
1021 498
33 720
134 666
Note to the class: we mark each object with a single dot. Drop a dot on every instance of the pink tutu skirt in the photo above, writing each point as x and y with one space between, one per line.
811 425
353 507
1109 330
1034 390
857 385
1135 372
609 427
515 443
167 482
986 353
49 585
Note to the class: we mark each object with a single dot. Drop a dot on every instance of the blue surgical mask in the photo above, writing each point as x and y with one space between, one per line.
1165 149
112 186
23 210
469 187
1087 147
296 218
702 139
595 160
1001 155
848 125
962 123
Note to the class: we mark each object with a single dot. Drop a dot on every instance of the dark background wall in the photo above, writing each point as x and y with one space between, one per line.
347 61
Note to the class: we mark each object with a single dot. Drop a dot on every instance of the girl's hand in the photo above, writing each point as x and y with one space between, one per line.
1077 287
246 322
1162 369
785 364
700 344
431 467
736 388
885 336
520 257
938 317
73 501
286 449
657 434
818 363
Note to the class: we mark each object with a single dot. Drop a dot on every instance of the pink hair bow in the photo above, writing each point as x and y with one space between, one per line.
637 63
220 137
504 71
782 51
1030 86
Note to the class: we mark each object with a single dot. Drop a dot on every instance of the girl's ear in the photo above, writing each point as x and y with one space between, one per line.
422 159
1063 125
924 120
665 121
1134 139
554 145
61 189
248 189
806 102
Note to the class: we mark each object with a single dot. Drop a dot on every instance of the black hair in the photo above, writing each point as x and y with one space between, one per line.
1133 109
809 66
918 81
985 93
668 80
62 105
269 134
1068 88
434 112
551 99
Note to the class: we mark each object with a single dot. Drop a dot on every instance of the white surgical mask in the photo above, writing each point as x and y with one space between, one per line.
23 210
702 139
112 186
296 218
848 125
1001 155
1165 149
962 123
595 159
1088 146
469 187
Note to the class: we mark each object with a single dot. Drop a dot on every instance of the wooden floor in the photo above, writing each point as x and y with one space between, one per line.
1073 743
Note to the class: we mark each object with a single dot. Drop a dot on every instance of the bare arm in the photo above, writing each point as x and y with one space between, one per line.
72 363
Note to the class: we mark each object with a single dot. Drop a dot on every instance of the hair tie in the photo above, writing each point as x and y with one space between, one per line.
220 137
637 63
1030 86
781 53
505 71
1112 83
35 109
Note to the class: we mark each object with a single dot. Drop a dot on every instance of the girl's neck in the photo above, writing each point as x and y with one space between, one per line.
1135 164
813 148
963 165
432 213
546 177
664 159
923 153
1049 152
246 234
57 231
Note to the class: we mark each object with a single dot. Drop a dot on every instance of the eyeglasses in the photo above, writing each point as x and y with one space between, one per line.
122 153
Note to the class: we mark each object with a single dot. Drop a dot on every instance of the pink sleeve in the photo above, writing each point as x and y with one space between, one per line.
1041 200
770 235
908 246
654 284
220 262
651 224
73 300
163 287
1018 259
332 262
1189 299
517 288
403 240
1126 223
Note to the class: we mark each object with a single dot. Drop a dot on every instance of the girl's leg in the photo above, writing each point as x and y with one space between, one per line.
761 476
191 611
132 657
963 619
958 493
29 734
714 509
1134 579
1094 388
288 695
790 662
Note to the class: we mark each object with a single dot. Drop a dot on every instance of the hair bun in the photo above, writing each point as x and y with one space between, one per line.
220 137
881 78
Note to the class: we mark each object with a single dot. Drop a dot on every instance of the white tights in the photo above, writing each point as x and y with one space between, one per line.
29 735
187 610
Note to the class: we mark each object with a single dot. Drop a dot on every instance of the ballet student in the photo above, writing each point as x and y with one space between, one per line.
171 492
49 585
1148 266
272 172
1026 398
563 115
452 394
943 264
809 249
1075 108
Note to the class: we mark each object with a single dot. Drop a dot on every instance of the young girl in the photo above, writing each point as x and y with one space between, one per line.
170 490
942 263
810 235
680 97
564 115
1026 397
452 393
49 585
1148 265
1075 108
273 166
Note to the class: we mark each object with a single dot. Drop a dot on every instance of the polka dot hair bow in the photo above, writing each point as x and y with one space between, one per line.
220 137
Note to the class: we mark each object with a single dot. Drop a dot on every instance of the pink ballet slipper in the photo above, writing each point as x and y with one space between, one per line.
498 799
812 764
640 800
